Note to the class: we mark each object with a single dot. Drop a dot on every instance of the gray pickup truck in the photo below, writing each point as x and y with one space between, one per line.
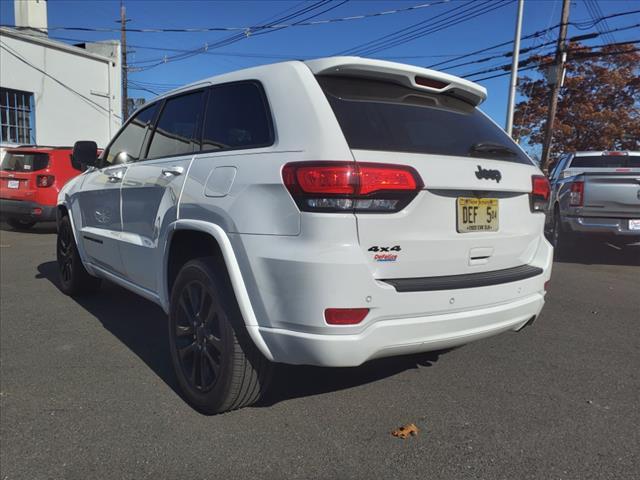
594 193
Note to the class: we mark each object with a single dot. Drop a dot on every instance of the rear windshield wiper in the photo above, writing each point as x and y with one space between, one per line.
494 148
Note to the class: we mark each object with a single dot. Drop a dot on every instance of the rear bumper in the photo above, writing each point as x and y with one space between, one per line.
289 295
400 336
600 226
26 211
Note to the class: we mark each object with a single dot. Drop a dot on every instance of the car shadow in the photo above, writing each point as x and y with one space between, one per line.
44 228
141 326
296 381
602 252
137 323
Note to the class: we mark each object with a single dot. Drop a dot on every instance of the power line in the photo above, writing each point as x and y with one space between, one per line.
545 64
136 86
589 24
369 43
595 12
579 25
283 56
578 53
19 57
463 13
296 24
229 40
478 13
544 44
249 29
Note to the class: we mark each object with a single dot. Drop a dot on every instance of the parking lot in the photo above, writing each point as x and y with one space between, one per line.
87 391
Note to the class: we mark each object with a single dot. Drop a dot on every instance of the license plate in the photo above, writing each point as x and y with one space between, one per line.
477 214
634 224
13 184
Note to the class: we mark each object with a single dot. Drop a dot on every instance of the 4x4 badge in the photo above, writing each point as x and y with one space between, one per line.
488 174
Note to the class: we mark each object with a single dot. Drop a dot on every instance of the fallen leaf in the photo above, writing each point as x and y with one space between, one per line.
405 431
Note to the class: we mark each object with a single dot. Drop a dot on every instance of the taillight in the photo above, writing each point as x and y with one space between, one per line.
576 194
540 192
345 316
44 181
351 186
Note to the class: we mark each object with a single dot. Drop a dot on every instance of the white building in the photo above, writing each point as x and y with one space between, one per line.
52 93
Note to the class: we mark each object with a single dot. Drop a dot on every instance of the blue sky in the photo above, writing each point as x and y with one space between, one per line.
317 40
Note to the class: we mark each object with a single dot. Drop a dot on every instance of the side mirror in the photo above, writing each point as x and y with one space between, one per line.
85 154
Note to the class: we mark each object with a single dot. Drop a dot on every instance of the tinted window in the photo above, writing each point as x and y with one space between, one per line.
127 146
237 117
24 162
558 167
378 115
176 129
606 161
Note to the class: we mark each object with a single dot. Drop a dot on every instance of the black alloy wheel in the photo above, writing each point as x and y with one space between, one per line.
198 336
65 253
217 365
74 278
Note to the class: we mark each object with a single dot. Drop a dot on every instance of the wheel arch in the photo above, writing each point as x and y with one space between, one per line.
207 239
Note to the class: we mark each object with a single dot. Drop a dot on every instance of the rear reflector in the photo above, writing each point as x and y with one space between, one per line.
431 83
540 192
546 285
345 316
576 194
36 211
351 186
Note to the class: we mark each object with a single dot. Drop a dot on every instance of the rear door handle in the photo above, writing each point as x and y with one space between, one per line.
175 171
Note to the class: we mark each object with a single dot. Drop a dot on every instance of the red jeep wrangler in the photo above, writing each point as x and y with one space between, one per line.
30 179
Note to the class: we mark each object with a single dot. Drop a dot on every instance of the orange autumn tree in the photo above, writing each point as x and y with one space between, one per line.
598 106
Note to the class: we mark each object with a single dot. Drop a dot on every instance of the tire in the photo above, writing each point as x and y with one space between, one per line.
217 365
74 278
563 242
19 224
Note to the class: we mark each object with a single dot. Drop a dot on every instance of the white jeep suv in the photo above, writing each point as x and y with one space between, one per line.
325 213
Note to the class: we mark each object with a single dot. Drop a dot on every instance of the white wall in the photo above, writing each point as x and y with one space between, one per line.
63 116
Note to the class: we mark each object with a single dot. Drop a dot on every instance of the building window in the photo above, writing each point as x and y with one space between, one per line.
16 117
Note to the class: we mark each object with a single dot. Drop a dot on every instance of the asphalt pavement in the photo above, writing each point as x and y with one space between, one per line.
87 391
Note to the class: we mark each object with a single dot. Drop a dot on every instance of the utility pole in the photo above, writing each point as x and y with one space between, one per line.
514 68
556 77
123 60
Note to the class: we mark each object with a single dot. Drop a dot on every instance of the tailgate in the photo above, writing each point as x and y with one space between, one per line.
473 213
18 173
427 236
612 195
16 186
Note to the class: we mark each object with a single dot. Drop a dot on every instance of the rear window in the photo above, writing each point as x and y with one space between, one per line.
605 161
237 117
24 162
377 115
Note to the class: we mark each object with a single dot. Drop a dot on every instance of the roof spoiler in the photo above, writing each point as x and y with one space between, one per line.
410 76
